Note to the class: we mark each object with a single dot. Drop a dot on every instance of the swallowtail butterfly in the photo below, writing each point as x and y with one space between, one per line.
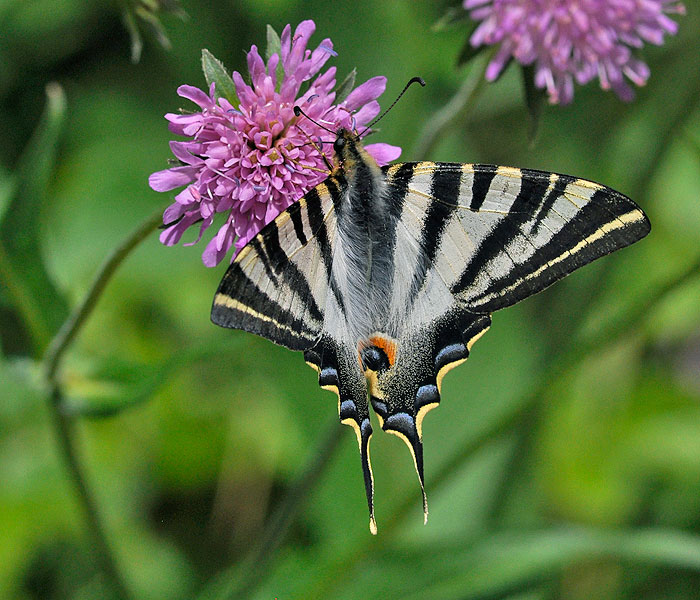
386 276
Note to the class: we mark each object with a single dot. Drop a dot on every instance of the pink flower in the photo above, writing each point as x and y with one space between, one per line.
573 41
253 160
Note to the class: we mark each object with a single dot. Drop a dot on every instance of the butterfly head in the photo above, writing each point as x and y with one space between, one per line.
348 150
345 143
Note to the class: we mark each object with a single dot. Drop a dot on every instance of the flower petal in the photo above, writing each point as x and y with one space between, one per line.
195 95
182 151
169 179
173 213
218 246
369 90
366 114
383 153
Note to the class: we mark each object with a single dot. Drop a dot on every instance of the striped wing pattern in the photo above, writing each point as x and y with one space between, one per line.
277 285
462 240
496 235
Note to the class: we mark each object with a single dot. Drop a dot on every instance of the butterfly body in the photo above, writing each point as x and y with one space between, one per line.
386 276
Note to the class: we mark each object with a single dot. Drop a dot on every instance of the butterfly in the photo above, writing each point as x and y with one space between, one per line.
384 277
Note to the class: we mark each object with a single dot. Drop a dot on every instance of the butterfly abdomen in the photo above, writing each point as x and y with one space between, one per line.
364 257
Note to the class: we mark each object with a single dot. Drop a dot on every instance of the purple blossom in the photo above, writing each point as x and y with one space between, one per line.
253 160
573 41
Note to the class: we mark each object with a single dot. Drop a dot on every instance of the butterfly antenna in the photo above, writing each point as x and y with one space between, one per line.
176 221
298 112
380 117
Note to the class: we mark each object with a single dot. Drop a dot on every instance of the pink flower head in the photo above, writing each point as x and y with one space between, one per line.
253 160
573 41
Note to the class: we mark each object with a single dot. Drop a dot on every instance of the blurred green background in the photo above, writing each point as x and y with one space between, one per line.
564 461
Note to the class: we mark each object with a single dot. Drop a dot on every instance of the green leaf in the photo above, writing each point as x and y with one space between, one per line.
215 72
274 44
454 15
509 562
8 186
35 298
153 22
345 87
151 5
147 13
35 168
116 385
134 36
534 99
173 7
23 390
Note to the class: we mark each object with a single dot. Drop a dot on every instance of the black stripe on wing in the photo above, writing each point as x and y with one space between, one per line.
533 190
267 290
318 225
446 186
483 176
295 213
550 198
293 277
240 304
605 222
400 179
264 259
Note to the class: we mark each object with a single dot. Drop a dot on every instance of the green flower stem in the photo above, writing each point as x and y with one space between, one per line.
242 580
65 335
62 422
454 111
334 574
63 426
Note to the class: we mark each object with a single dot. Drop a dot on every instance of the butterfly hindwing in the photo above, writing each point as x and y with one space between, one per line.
405 374
339 372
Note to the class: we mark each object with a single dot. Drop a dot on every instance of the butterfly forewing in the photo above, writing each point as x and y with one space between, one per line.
276 286
496 235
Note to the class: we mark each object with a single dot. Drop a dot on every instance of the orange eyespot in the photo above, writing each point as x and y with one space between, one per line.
388 346
376 353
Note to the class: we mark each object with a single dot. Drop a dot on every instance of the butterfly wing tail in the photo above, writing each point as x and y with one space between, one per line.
403 394
337 373
404 425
